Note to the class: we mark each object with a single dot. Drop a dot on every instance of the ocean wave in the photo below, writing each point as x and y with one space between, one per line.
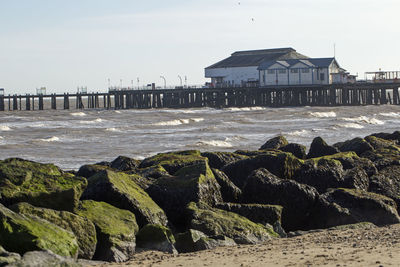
214 143
329 114
113 130
78 114
5 128
364 119
178 122
391 114
246 109
91 122
349 125
299 133
50 139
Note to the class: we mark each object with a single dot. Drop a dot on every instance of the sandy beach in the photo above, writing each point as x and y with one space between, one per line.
365 246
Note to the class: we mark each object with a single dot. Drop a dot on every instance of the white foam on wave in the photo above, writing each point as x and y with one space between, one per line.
391 114
5 128
214 143
329 114
350 125
246 109
365 119
50 139
113 130
178 122
299 133
91 122
78 114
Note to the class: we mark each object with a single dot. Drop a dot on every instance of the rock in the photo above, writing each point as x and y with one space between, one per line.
356 178
387 183
258 213
366 206
322 174
194 182
173 161
395 136
116 230
125 164
275 143
82 228
230 192
297 150
153 172
194 240
320 148
8 257
44 258
298 200
43 185
358 145
281 164
216 222
91 169
219 159
156 237
121 190
22 233
379 143
350 160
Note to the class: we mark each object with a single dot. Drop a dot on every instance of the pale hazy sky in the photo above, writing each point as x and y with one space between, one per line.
63 44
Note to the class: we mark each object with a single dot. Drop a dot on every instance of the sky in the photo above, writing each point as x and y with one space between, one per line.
62 45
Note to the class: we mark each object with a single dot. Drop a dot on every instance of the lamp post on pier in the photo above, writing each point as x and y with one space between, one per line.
180 78
165 81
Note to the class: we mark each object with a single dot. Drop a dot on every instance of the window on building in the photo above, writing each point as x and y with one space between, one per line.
263 78
271 71
282 71
322 76
305 70
294 71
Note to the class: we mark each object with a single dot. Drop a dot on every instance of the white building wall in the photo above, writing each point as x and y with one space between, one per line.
235 75
317 76
294 78
306 77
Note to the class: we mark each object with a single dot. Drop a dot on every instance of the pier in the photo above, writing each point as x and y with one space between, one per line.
277 96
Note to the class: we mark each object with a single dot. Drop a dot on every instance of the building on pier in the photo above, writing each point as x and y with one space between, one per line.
271 67
241 67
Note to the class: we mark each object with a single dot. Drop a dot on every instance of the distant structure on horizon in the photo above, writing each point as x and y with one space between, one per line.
274 67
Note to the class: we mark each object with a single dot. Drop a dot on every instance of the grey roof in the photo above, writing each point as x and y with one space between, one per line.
256 57
311 62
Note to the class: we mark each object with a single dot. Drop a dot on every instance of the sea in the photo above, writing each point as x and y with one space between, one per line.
72 138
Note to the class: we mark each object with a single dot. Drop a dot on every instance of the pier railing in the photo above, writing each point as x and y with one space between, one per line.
274 96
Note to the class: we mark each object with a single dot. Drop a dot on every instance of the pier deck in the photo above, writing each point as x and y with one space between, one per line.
277 96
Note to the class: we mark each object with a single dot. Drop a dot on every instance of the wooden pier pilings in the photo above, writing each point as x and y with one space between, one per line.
327 95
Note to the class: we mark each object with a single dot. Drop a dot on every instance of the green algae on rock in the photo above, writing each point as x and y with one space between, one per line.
83 228
121 190
216 222
23 233
43 185
116 230
8 257
156 237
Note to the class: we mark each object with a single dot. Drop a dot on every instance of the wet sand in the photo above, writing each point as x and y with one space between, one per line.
365 246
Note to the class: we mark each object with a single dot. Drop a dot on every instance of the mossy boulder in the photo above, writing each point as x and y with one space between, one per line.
193 240
22 233
217 222
156 237
258 213
366 206
281 164
297 200
230 192
275 143
8 257
358 145
173 161
395 136
126 164
195 182
153 172
82 228
219 159
116 230
297 150
121 190
91 169
44 259
387 183
320 148
43 185
379 143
